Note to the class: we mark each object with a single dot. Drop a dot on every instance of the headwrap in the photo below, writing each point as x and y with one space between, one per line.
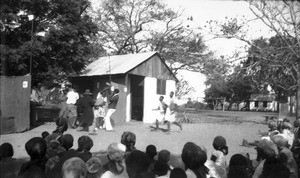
128 139
194 158
269 147
115 154
75 166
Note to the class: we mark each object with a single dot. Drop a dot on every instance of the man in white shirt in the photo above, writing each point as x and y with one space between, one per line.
72 97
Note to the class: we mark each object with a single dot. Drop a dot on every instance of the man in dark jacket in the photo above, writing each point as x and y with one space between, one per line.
112 104
87 115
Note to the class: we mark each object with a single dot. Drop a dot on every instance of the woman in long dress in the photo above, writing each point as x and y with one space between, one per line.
87 104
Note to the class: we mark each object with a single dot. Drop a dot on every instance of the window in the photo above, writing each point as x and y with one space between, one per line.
161 87
265 104
256 104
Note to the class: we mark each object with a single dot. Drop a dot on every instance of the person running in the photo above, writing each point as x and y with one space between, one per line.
162 107
171 113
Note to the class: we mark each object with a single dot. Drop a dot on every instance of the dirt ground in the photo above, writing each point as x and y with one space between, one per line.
234 126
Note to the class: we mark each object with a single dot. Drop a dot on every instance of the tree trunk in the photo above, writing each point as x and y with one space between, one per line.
298 94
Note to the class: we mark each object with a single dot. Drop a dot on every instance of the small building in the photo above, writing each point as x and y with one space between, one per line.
141 79
263 102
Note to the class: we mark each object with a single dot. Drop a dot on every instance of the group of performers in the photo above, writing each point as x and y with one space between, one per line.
167 113
82 112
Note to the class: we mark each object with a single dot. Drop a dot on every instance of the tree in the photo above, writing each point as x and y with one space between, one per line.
183 88
132 26
282 52
64 48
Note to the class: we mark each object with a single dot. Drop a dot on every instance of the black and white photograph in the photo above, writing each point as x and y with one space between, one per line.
150 89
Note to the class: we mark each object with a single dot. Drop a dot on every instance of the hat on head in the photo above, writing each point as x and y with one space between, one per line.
280 140
287 125
116 151
94 165
87 92
269 147
74 167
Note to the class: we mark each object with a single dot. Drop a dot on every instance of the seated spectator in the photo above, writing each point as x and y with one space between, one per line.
9 166
178 173
161 169
287 132
194 158
94 167
265 149
238 166
217 162
115 165
164 156
128 139
85 143
274 168
286 154
65 142
151 152
45 134
137 165
74 167
36 148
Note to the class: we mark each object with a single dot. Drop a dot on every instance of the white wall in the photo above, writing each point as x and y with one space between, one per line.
151 98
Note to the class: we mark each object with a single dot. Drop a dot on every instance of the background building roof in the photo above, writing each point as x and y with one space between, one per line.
119 64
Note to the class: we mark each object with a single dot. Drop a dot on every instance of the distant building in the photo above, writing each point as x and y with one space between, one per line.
141 79
263 102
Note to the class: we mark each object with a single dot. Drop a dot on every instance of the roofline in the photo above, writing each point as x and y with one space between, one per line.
156 53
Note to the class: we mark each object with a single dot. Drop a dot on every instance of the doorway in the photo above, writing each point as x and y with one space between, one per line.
137 97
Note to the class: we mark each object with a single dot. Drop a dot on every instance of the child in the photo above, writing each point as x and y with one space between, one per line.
99 114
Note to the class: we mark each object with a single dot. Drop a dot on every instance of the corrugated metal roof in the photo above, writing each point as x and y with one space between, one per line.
118 64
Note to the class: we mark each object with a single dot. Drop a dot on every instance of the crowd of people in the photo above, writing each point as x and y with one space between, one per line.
52 155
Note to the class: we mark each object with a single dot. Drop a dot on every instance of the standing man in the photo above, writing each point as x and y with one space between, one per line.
87 117
72 97
112 104
171 112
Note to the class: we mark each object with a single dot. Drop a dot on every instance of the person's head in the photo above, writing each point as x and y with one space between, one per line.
45 134
151 151
128 139
94 165
171 94
161 98
161 168
36 148
280 141
74 167
85 143
219 143
193 156
237 166
116 152
178 173
66 141
164 156
297 123
6 151
137 164
272 125
266 148
287 125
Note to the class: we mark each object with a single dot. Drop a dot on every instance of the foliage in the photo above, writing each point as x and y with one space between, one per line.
58 38
132 26
274 61
183 88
